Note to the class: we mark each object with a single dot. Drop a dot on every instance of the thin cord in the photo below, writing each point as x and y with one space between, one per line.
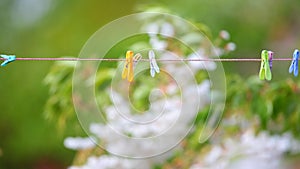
147 60
71 59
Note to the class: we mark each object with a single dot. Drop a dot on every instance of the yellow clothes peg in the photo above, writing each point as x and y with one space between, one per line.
128 67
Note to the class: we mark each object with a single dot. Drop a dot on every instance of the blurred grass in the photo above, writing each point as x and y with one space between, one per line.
26 138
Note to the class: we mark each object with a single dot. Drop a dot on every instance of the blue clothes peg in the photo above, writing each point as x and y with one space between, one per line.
153 65
270 54
294 64
8 59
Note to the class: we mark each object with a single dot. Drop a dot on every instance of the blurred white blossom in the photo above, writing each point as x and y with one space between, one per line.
224 35
157 44
250 151
156 29
167 121
230 46
167 29
108 162
203 65
160 28
152 28
78 143
164 124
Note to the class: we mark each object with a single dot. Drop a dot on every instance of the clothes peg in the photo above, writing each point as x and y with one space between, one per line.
265 71
153 65
8 59
128 67
136 58
294 64
270 57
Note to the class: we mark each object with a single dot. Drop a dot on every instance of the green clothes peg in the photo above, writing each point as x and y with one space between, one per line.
265 71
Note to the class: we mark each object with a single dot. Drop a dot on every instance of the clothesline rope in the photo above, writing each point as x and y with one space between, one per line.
131 60
147 60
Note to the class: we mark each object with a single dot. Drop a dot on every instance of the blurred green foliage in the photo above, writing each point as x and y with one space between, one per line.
27 140
253 103
275 105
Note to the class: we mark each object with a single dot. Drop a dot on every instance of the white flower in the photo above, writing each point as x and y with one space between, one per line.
167 121
155 29
192 38
224 35
204 92
75 167
158 44
230 46
198 65
249 151
213 155
78 143
110 162
167 29
152 28
218 51
172 89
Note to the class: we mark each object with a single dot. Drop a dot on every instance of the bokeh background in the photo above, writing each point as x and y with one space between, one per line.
53 28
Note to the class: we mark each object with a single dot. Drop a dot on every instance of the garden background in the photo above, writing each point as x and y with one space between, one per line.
52 28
